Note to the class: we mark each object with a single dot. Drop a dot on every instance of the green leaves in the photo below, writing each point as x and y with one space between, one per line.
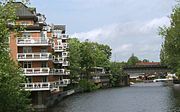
170 52
132 60
85 55
12 98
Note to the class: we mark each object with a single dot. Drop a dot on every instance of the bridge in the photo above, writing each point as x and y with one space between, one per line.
148 68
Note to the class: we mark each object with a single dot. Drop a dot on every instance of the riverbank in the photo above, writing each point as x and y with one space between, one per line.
140 97
53 100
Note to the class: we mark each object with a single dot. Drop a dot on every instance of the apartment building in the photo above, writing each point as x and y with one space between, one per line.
42 52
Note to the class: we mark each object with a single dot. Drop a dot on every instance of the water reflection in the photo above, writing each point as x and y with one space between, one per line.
175 99
149 97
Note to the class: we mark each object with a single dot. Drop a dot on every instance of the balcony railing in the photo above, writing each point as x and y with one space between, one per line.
65 45
65 63
66 81
44 71
60 72
64 36
44 86
65 54
57 59
32 42
39 86
58 49
33 56
36 71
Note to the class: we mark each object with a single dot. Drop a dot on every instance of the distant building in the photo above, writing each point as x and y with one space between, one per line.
42 52
100 76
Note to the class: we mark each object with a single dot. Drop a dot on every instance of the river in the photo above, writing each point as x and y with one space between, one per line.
142 97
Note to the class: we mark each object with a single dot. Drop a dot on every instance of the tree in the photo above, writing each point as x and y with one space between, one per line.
74 59
170 52
116 72
93 55
84 56
132 60
12 97
145 60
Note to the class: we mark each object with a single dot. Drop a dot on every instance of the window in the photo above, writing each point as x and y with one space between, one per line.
43 35
44 79
43 50
28 79
27 49
26 34
27 64
44 64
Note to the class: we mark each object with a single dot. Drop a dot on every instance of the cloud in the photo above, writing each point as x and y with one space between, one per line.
136 37
155 23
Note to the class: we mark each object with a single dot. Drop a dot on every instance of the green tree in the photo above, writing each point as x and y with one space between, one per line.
93 55
74 59
116 69
145 60
84 56
12 97
132 60
170 52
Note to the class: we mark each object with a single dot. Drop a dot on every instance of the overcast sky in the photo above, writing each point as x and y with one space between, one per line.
127 26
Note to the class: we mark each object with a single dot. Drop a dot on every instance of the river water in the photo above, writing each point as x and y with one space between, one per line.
142 97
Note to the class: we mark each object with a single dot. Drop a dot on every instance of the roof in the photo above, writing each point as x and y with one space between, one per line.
23 11
60 27
147 63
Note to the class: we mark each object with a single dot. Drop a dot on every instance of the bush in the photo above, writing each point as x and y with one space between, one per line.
87 86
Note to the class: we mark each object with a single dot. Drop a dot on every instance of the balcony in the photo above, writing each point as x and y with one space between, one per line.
33 56
60 72
64 82
58 49
65 45
32 42
57 59
65 63
64 36
65 54
39 86
36 71
45 86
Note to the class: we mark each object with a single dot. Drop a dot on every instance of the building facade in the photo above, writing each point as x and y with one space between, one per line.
41 50
100 77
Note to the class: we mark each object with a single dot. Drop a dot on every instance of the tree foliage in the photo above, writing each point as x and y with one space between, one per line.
170 52
12 97
86 55
116 72
74 58
132 60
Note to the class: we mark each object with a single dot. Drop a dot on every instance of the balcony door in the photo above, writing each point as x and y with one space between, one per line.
27 64
27 49
44 79
44 64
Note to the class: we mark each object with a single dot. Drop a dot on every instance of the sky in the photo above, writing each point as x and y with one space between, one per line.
127 26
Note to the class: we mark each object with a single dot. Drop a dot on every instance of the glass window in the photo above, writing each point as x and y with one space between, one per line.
44 79
44 64
43 49
27 64
27 49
